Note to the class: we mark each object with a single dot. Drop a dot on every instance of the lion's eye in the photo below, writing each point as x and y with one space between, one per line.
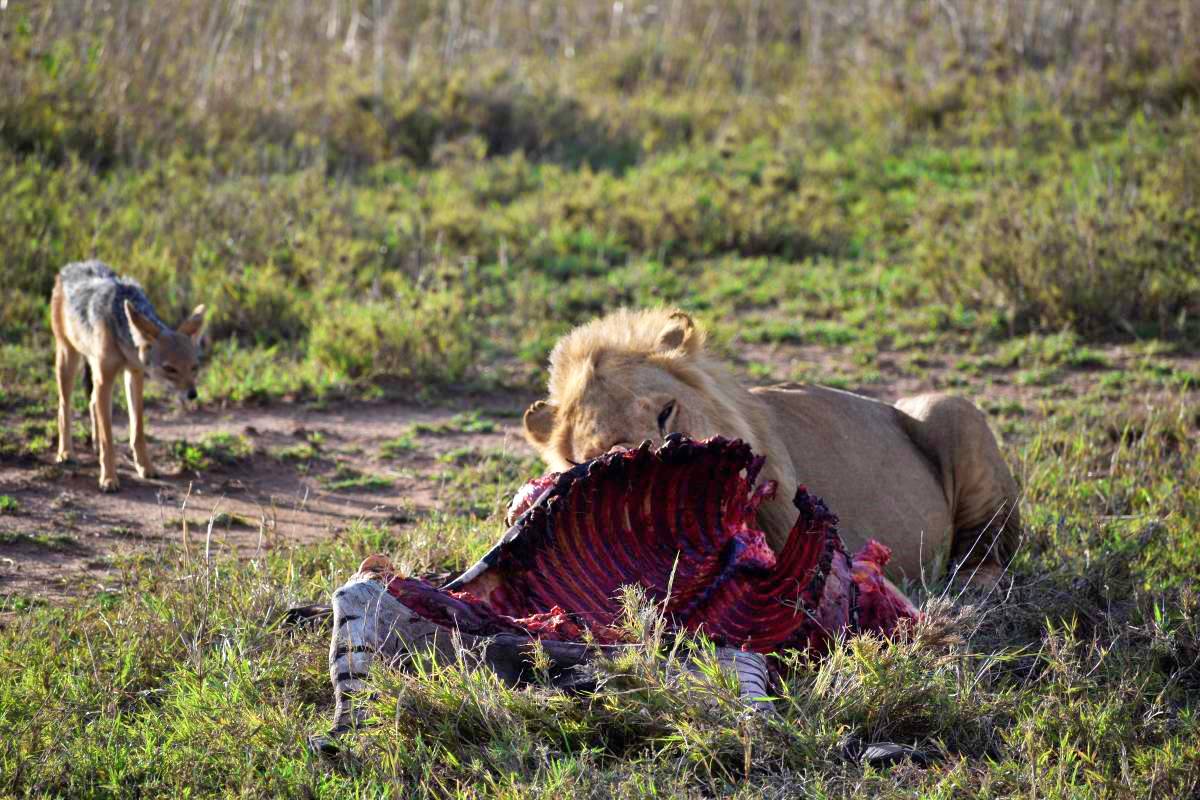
664 417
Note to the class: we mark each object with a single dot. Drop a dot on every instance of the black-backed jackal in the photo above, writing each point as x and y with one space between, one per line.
106 322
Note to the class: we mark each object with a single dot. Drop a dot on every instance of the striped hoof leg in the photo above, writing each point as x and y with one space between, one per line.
367 623
750 669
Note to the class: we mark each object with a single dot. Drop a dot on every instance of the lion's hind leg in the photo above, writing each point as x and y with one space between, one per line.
978 485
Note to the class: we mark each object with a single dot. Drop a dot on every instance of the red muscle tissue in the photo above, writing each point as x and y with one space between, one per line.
678 521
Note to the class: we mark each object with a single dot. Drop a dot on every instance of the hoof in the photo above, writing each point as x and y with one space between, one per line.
323 745
147 473
884 754
110 486
312 617
64 458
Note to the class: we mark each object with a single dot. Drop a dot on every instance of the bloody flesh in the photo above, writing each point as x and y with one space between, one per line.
679 521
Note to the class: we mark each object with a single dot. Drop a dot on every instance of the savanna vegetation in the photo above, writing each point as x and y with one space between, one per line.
394 200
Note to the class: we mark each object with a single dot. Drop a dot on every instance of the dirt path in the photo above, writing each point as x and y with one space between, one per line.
287 476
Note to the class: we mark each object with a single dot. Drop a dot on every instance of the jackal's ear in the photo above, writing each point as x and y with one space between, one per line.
193 326
680 333
142 328
539 423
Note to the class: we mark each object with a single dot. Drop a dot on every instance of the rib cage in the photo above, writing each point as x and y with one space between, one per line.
678 521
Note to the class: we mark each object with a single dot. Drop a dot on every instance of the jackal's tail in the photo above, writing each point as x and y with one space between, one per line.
87 380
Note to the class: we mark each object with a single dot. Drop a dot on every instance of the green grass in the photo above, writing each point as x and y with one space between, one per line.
408 442
125 532
258 374
304 451
9 504
441 232
468 422
214 449
54 542
345 478
481 482
221 521
1087 667
399 446
30 439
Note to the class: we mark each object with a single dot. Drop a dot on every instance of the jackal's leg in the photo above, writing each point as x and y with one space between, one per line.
102 392
95 422
134 381
66 364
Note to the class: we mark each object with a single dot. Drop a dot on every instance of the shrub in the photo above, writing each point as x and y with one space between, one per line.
1114 252
427 336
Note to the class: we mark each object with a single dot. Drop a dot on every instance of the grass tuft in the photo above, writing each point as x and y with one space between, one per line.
213 450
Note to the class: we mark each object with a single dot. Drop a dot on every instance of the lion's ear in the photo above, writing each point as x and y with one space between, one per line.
680 333
539 423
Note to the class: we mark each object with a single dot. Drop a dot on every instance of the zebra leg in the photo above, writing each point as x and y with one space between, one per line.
750 670
352 647
368 623
754 681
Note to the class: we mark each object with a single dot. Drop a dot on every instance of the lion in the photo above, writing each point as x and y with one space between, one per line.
923 476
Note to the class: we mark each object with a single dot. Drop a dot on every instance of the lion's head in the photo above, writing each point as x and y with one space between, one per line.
629 377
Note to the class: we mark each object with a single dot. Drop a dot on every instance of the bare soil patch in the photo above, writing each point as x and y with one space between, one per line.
58 541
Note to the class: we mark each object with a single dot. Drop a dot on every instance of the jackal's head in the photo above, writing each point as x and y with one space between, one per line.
171 356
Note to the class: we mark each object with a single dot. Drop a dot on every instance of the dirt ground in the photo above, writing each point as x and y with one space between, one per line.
65 526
